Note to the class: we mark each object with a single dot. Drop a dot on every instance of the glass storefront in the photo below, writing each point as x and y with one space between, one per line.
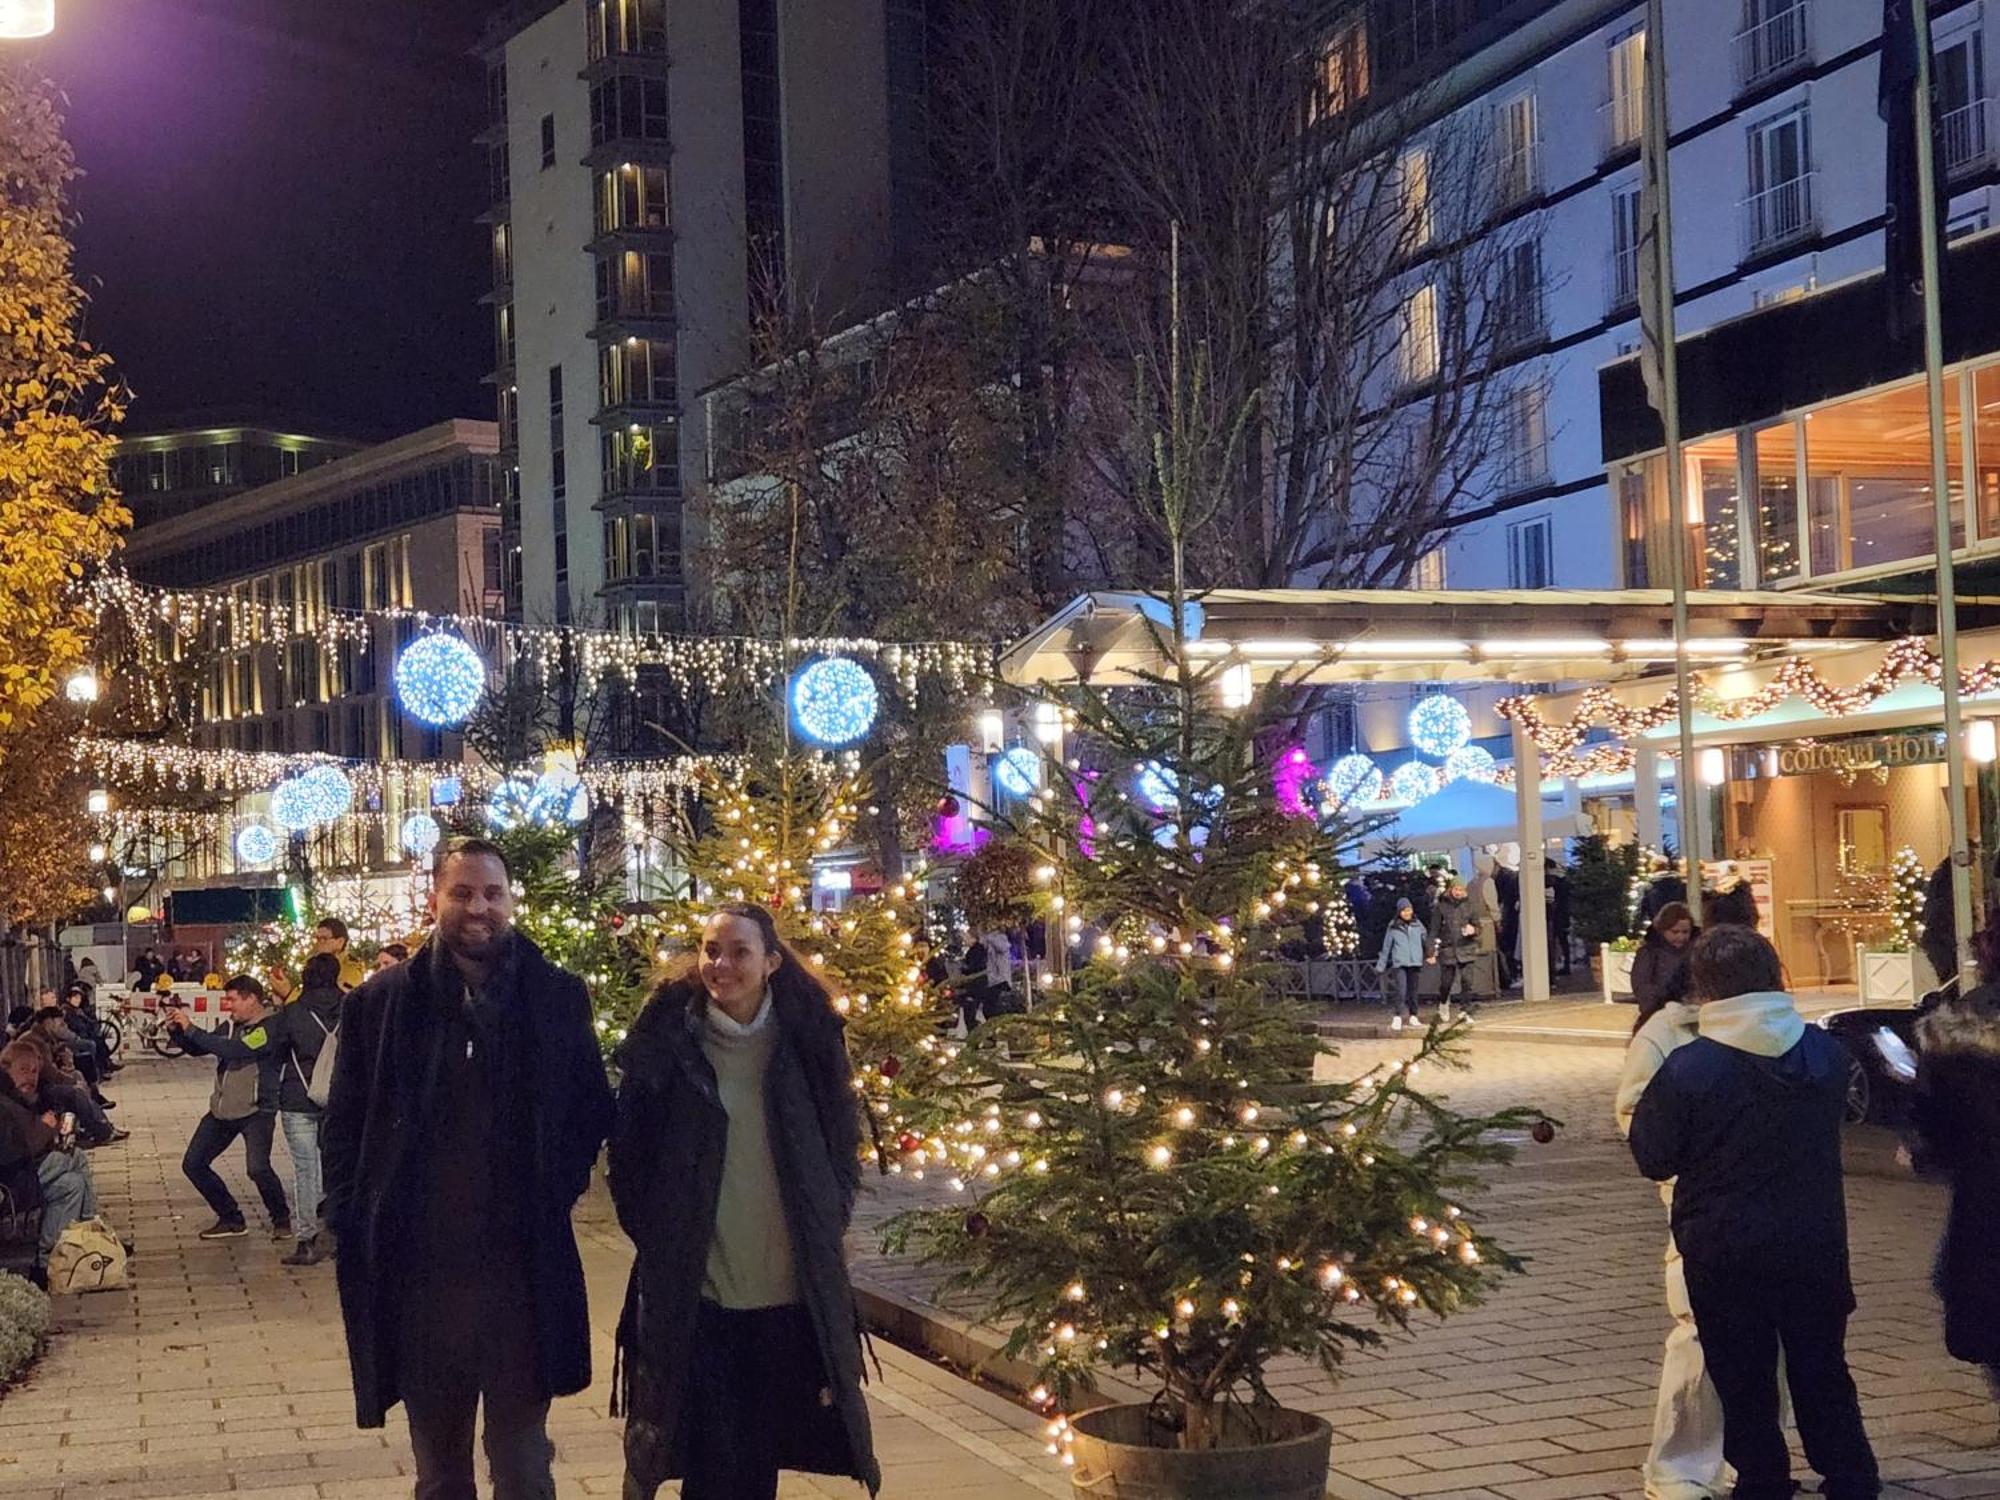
1838 489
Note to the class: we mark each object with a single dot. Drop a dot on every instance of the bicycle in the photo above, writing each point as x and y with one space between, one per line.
155 1034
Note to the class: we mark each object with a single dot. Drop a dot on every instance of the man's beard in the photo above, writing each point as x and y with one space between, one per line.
480 948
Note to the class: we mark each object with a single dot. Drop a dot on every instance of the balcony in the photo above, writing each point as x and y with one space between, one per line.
1517 178
1621 281
1519 323
1780 215
1619 122
1779 44
1965 137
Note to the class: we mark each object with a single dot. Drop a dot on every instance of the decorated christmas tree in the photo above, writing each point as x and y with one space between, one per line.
1161 1169
1908 879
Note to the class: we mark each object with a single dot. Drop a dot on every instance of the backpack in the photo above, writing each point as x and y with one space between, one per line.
88 1257
319 1082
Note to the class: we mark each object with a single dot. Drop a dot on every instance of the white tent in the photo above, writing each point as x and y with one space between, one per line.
1468 814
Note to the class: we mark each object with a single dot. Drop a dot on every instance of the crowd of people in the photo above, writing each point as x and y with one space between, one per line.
1735 1106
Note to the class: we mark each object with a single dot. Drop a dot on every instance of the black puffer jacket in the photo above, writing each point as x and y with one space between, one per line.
1660 970
1957 1116
666 1175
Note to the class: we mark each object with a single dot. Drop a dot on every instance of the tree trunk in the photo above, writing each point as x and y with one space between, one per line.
1201 1425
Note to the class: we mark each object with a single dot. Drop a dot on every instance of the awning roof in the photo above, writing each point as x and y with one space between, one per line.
1366 635
1466 814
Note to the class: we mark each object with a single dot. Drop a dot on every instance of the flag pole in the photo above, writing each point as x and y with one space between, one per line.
1947 585
1687 793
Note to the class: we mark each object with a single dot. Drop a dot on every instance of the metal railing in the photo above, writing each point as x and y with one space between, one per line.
1778 43
1620 120
1621 279
1781 213
1964 136
1517 176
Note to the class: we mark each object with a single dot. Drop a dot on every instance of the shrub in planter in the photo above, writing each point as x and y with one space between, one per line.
24 1320
1161 1170
1600 881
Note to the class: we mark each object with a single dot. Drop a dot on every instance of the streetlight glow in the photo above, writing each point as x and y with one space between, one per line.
21 20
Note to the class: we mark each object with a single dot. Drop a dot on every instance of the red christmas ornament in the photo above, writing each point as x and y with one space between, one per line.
948 807
906 1143
891 1066
1544 1132
617 920
976 1225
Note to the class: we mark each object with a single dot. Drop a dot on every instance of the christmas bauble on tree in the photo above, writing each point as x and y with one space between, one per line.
948 807
891 1066
1544 1131
976 1225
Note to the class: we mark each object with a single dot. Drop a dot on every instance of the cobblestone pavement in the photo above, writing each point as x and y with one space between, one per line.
1546 1392
218 1371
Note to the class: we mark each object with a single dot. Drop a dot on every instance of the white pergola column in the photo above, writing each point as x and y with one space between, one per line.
1534 901
1646 794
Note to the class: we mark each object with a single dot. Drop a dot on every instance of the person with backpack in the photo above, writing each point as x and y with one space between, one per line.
304 1032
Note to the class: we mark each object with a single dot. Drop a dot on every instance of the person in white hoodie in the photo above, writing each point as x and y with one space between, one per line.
1685 1461
1745 1120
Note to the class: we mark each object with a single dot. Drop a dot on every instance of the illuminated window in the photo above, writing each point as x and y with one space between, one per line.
1413 183
1343 69
1517 165
1418 340
1624 108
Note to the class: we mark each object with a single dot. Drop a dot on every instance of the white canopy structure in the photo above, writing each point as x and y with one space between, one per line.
1467 815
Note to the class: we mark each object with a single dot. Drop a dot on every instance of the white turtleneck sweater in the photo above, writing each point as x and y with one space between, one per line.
750 1258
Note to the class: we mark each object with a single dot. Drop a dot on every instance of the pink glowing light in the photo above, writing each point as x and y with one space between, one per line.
1289 779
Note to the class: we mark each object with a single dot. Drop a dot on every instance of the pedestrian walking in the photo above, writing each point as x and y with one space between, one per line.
1685 1460
303 1029
734 1167
1405 952
1745 1120
1507 885
242 1105
1956 1115
1660 967
469 1103
1664 887
1456 946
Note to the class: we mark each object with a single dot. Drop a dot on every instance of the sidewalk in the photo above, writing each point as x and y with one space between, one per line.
219 1371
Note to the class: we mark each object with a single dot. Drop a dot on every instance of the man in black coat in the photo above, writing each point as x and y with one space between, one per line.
1745 1121
469 1103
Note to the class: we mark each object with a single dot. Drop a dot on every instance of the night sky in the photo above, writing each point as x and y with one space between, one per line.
277 216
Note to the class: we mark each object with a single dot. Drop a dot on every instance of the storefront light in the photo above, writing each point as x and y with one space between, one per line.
992 731
1553 646
1663 650
1237 687
1280 650
1049 723
1411 649
1981 742
1712 766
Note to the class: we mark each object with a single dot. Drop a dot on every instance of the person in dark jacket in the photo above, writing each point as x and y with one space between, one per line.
1455 929
1956 1115
1746 1119
1659 968
1664 888
972 991
734 1167
244 1102
302 1030
1507 881
32 1150
469 1104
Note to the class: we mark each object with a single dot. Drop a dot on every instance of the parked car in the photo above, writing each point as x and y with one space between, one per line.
1875 1095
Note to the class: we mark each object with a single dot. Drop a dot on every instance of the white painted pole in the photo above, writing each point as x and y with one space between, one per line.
1534 902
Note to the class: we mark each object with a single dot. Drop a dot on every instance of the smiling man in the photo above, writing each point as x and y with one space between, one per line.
469 1102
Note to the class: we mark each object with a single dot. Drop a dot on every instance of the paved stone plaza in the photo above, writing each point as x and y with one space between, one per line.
220 1371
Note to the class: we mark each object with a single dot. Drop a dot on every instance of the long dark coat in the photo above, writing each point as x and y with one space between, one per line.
666 1177
1957 1117
377 1127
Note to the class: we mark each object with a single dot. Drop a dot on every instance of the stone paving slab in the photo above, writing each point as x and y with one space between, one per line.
219 1371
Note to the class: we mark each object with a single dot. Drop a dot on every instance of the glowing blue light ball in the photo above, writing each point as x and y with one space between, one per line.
834 701
1019 771
1354 778
560 798
439 679
512 804
1440 725
1470 763
256 844
421 835
1158 787
292 806
331 792
1412 781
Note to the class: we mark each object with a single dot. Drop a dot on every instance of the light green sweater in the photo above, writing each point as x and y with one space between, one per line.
750 1258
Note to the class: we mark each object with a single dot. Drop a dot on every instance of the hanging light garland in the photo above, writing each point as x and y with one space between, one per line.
1903 661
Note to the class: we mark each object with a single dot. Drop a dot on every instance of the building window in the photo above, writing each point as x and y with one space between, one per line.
503 255
1529 558
1413 185
1516 167
1526 433
496 91
1779 208
1624 106
763 152
641 457
1776 38
548 141
1961 100
638 371
1428 574
499 183
1630 485
1418 339
558 477
503 335
1517 300
1343 70
1621 272
624 28
375 573
635 284
628 109
632 197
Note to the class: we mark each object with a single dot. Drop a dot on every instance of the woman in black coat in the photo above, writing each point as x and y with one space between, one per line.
1957 1119
1660 967
734 1165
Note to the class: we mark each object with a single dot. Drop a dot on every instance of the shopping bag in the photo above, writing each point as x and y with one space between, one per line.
88 1257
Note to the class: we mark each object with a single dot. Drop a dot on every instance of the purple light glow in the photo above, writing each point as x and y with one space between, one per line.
1289 779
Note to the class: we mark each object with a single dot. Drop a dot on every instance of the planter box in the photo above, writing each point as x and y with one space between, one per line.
1617 973
1893 978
